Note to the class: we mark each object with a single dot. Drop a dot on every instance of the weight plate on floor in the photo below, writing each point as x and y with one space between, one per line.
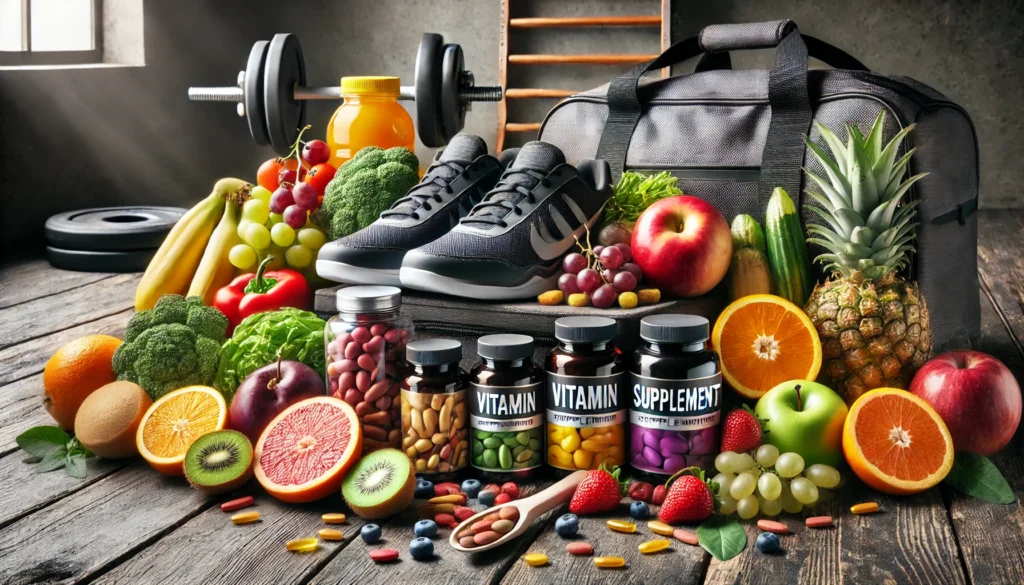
111 228
453 115
255 112
428 90
285 69
86 261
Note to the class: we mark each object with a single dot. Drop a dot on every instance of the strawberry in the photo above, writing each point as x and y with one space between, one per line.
742 431
600 491
641 491
658 497
689 499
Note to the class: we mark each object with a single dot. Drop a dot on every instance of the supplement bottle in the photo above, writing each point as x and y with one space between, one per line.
506 409
370 116
675 397
365 346
435 421
585 396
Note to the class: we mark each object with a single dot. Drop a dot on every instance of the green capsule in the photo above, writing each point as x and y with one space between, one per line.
535 458
482 434
520 465
518 449
505 457
478 460
492 442
524 456
535 445
478 447
523 438
511 442
490 458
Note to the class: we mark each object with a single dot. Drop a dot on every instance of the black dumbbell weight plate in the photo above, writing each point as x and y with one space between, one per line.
86 261
428 90
111 228
253 87
284 70
453 116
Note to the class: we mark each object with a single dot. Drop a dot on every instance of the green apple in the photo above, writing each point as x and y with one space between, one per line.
804 417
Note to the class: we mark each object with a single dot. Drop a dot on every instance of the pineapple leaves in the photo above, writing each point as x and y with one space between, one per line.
862 182
836 146
874 140
884 169
836 198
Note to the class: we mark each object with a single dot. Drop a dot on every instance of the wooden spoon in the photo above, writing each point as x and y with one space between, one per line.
530 509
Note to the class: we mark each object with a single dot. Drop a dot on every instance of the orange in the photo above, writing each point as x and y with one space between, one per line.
75 371
763 341
176 420
896 443
303 454
109 418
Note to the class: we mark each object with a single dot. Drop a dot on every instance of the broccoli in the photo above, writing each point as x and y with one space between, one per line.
174 344
365 186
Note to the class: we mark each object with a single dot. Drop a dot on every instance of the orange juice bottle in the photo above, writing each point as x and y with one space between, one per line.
370 116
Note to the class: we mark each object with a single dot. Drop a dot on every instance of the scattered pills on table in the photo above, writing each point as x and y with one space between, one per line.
384 555
303 545
245 517
609 562
535 559
333 518
502 498
463 513
653 546
773 526
685 536
448 499
658 527
445 520
580 548
238 504
622 526
818 522
865 508
331 534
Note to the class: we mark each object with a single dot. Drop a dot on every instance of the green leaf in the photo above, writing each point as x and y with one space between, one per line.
978 477
40 441
53 461
721 536
76 466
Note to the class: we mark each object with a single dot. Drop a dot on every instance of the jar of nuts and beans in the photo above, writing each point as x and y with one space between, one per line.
435 417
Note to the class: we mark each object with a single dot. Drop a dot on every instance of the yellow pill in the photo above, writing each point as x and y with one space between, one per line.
571 442
582 459
609 562
592 445
303 545
622 526
587 432
245 517
865 508
333 518
659 528
535 559
331 534
653 546
558 457
615 452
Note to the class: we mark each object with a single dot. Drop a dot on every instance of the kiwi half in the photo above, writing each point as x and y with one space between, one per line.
381 484
219 462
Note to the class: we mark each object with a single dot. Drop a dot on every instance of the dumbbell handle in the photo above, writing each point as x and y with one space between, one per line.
235 94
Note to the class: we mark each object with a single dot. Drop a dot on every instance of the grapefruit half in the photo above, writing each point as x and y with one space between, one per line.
303 454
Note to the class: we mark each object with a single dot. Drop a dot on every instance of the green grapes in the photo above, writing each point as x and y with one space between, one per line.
257 235
298 256
769 486
724 481
769 507
789 465
745 462
726 505
312 238
823 476
726 462
742 486
282 234
261 193
242 256
748 507
804 491
256 210
766 455
790 504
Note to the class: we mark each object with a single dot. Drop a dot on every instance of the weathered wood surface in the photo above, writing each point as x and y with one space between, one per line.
30 279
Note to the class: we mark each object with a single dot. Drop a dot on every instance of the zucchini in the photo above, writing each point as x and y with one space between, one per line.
787 250
748 273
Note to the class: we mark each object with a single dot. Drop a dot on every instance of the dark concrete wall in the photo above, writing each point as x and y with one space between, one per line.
80 138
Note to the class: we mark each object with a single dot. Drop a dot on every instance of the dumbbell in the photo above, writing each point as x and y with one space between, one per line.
271 92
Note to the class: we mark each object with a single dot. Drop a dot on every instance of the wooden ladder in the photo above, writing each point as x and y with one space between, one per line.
505 59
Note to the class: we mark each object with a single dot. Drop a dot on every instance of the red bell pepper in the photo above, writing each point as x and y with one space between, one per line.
249 294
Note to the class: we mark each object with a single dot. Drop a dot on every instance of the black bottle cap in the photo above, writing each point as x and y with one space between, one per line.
585 329
433 352
674 328
507 346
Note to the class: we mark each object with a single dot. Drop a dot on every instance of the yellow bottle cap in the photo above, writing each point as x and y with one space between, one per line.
370 85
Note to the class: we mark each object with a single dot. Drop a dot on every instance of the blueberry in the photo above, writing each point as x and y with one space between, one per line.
639 510
767 542
471 487
426 528
370 533
486 497
421 548
567 525
424 488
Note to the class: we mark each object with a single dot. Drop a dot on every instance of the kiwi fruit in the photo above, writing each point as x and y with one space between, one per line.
381 484
219 462
109 418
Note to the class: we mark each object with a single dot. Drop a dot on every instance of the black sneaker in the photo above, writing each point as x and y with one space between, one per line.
511 245
459 177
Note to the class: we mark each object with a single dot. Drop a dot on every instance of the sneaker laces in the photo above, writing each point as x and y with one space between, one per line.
430 188
515 186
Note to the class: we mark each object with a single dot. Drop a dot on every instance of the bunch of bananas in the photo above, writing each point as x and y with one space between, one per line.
193 259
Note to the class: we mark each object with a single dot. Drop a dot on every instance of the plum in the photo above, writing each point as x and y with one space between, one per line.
266 392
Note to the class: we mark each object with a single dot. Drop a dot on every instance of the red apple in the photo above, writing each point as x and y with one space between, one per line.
683 245
266 392
977 397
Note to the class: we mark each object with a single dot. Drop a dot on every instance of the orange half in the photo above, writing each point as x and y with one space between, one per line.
896 443
174 421
763 341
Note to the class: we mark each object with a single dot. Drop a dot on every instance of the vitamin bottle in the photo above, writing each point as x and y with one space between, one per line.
585 395
370 116
506 412
435 425
675 388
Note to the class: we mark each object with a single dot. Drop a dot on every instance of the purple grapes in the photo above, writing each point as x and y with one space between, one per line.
588 280
611 257
604 297
634 269
281 199
627 252
567 284
574 263
295 216
624 281
305 196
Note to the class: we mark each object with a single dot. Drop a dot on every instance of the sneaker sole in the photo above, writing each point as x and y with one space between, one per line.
424 280
348 274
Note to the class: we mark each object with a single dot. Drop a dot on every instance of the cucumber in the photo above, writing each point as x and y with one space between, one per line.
748 273
787 250
746 233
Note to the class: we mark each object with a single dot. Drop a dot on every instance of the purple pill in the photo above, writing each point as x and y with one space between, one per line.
704 442
652 457
674 463
651 438
673 443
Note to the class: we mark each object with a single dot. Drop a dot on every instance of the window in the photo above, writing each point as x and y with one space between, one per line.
50 32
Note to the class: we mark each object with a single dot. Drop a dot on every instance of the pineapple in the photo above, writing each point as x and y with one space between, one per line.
873 324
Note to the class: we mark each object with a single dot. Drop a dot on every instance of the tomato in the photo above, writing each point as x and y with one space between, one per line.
319 176
266 176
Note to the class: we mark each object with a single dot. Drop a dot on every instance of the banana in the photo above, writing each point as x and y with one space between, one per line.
214 269
175 262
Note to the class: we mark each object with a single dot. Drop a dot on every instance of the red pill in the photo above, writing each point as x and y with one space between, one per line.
502 498
509 513
818 522
481 526
462 513
361 335
580 548
486 537
237 504
773 526
384 555
444 519
685 536
511 489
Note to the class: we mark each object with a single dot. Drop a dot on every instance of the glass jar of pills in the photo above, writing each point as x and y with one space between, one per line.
435 421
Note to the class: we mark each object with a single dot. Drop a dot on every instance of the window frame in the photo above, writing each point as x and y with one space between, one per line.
27 57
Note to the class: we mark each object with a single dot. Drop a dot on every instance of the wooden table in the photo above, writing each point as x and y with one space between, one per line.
126 523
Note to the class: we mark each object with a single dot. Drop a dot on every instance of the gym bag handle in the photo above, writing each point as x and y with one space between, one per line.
828 54
783 155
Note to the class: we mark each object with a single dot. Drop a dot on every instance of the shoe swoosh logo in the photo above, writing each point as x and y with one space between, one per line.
548 250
